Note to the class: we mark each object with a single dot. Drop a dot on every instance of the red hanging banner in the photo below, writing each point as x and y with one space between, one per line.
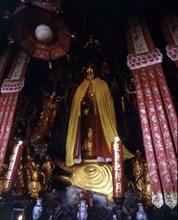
169 148
168 104
3 103
159 148
169 25
157 136
9 96
157 197
7 124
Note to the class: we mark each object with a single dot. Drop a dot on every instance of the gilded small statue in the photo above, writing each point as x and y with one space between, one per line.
87 147
2 178
147 187
142 179
48 116
138 170
34 178
19 182
47 169
39 175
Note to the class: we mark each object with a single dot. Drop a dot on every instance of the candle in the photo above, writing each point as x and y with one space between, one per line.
117 168
13 165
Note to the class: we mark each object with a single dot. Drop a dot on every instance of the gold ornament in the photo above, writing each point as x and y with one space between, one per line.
142 178
19 182
90 175
38 176
34 179
48 115
47 169
2 177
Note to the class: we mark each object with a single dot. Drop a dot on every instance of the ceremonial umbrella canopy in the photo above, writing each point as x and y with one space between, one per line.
40 32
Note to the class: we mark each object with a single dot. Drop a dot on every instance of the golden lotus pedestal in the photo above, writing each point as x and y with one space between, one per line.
89 175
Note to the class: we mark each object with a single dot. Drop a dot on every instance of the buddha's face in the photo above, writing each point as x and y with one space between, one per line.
90 72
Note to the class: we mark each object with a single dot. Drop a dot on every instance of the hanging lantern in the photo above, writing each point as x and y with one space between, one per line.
39 30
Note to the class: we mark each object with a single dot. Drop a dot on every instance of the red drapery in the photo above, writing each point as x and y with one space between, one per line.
169 25
8 98
157 113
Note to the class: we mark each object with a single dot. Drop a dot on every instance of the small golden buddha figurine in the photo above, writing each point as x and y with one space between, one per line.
19 182
138 170
87 148
38 175
33 177
142 178
35 186
147 187
47 169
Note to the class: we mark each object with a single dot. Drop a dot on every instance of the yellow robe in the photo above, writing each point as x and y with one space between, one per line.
106 112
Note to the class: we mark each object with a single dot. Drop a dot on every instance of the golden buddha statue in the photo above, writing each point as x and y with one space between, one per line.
92 128
92 112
